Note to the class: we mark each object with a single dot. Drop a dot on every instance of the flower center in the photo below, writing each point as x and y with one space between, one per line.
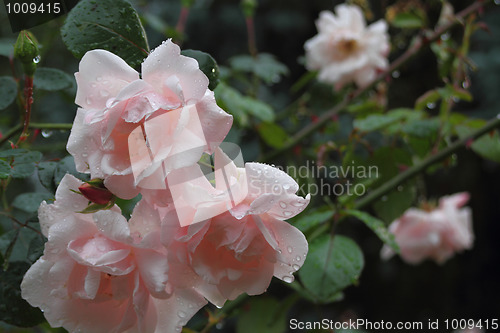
346 47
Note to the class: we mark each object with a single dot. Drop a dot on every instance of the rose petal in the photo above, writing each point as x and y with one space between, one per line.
101 75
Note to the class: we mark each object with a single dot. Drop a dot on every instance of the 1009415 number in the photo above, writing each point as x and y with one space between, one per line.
33 8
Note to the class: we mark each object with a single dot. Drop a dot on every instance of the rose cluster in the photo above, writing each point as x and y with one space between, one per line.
190 238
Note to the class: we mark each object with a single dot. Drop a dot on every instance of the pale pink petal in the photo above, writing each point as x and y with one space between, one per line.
113 225
101 76
293 248
153 268
166 61
175 312
215 122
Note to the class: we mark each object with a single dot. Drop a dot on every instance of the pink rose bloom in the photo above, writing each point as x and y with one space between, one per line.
345 49
231 238
100 273
132 131
437 234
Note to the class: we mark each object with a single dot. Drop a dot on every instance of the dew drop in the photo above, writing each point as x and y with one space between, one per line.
431 105
400 188
88 100
36 59
497 2
445 36
46 133
99 78
298 258
282 204
288 279
181 314
84 155
287 214
289 249
296 267
104 93
396 74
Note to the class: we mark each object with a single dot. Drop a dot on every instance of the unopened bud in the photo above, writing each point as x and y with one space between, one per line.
249 7
26 50
95 191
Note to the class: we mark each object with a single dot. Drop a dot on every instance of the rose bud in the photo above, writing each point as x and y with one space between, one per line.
95 191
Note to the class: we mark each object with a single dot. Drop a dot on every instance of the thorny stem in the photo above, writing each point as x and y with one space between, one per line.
410 52
432 159
28 98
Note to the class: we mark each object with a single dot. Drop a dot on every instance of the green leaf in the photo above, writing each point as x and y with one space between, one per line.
331 265
259 109
207 64
305 222
111 25
28 157
422 128
12 152
8 91
35 249
29 202
395 203
67 165
52 79
22 170
264 66
377 121
487 146
241 106
14 309
273 134
407 21
377 226
4 169
264 314
46 172
7 242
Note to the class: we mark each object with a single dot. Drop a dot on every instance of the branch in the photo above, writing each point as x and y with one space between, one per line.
46 126
409 173
410 52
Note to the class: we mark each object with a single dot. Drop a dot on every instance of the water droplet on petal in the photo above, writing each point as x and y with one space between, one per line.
98 79
104 93
288 279
181 314
84 155
298 258
287 214
289 249
282 204
296 267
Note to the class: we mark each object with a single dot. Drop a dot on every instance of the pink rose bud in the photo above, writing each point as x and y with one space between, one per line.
95 191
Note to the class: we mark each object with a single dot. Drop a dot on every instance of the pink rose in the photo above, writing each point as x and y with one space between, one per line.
232 238
100 273
132 131
345 49
437 234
